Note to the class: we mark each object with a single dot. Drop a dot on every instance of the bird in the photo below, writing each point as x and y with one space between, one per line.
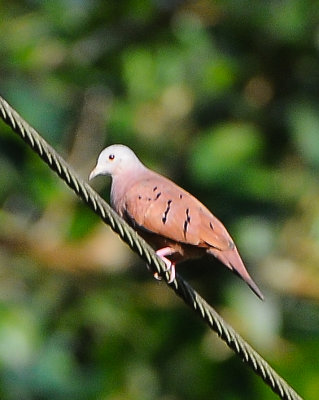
174 222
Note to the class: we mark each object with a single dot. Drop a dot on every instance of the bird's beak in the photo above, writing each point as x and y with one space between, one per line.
95 172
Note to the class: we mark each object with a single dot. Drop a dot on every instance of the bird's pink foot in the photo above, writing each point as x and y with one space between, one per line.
166 251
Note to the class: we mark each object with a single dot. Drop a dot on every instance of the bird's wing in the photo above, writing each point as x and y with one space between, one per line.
158 205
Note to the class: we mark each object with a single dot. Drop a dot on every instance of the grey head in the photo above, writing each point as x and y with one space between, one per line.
116 160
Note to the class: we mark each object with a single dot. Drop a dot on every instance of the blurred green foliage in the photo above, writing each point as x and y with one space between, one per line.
222 96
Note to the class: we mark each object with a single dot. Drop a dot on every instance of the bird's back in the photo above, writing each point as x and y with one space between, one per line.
157 204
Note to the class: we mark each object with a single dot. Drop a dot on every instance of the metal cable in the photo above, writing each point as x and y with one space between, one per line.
137 244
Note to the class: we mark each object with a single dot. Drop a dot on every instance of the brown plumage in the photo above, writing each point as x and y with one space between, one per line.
173 221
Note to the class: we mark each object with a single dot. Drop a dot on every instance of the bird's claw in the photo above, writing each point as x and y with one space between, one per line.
171 272
166 251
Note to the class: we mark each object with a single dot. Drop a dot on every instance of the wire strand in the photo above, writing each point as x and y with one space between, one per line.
137 244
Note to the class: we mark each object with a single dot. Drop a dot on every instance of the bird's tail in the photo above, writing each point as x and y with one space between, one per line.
233 261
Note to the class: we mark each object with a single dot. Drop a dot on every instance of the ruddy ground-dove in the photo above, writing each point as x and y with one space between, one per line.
173 221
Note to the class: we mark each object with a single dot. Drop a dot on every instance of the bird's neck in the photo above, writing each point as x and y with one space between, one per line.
122 182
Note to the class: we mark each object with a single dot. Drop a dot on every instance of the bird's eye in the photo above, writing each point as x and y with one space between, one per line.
111 157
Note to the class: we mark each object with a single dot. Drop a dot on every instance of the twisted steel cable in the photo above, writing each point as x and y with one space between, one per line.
137 244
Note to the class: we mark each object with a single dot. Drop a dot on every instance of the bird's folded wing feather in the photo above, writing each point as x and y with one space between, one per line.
158 205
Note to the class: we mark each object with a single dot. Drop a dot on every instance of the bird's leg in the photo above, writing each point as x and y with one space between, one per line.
162 253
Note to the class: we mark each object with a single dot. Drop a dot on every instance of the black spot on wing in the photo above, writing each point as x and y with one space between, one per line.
158 195
165 214
187 215
186 222
154 188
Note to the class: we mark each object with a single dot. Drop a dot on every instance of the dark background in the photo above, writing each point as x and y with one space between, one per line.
222 97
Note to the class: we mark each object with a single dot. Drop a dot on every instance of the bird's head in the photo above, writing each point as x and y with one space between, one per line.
114 160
